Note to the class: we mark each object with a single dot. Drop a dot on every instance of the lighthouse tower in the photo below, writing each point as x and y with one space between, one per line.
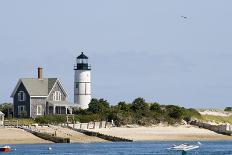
82 82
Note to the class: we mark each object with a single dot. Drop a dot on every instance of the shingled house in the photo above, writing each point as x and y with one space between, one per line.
34 97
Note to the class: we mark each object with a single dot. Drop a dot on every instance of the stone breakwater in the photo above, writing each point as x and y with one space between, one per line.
47 136
100 135
224 129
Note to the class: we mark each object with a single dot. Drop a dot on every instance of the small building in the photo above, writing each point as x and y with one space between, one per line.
1 118
33 97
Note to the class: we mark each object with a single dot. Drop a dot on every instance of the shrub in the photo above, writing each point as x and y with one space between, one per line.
228 109
51 119
138 112
98 106
21 121
174 112
155 107
139 105
88 118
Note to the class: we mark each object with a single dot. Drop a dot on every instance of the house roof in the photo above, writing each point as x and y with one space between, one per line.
37 87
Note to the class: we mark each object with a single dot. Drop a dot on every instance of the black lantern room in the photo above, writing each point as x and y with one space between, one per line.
82 62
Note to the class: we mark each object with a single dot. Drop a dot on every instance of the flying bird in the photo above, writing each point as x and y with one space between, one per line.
184 17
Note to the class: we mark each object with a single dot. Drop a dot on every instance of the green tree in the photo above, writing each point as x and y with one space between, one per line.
98 106
174 112
79 111
139 105
124 107
7 109
228 109
93 106
155 107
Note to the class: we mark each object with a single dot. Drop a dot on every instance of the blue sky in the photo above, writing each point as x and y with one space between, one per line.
136 48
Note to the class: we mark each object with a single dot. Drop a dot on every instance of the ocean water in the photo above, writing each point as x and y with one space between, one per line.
134 148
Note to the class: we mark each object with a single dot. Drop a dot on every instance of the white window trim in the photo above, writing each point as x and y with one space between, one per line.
19 109
57 96
23 97
37 110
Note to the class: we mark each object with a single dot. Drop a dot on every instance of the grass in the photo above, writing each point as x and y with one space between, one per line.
21 121
217 119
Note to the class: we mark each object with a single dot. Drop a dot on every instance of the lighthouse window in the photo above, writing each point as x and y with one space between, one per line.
77 85
57 96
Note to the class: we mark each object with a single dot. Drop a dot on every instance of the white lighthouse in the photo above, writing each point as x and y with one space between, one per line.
82 82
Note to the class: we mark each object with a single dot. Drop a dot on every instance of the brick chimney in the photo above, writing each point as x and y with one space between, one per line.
40 73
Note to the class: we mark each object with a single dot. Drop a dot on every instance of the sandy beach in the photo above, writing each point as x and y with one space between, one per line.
19 136
160 133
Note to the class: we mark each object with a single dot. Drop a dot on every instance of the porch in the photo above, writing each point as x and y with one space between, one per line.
59 107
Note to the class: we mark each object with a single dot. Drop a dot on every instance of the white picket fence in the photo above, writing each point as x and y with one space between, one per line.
91 125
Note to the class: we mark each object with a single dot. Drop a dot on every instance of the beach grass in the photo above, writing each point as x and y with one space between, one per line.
21 121
217 119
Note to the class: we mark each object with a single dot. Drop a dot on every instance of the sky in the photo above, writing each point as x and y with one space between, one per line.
137 48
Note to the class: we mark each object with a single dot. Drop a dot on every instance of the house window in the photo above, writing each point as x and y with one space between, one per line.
21 110
39 110
57 96
21 96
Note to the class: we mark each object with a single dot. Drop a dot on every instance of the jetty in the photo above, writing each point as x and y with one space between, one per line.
101 135
224 129
46 136
58 134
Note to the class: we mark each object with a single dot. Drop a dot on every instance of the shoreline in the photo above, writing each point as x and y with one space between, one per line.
168 133
138 134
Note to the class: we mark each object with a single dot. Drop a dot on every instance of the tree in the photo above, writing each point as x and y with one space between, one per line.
79 111
124 107
98 106
7 109
174 112
228 109
155 107
139 104
137 112
93 106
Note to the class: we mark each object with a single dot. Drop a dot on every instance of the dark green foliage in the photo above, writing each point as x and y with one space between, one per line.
174 112
228 109
51 119
139 105
98 106
138 112
155 107
98 110
191 113
124 107
79 111
7 109
87 118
